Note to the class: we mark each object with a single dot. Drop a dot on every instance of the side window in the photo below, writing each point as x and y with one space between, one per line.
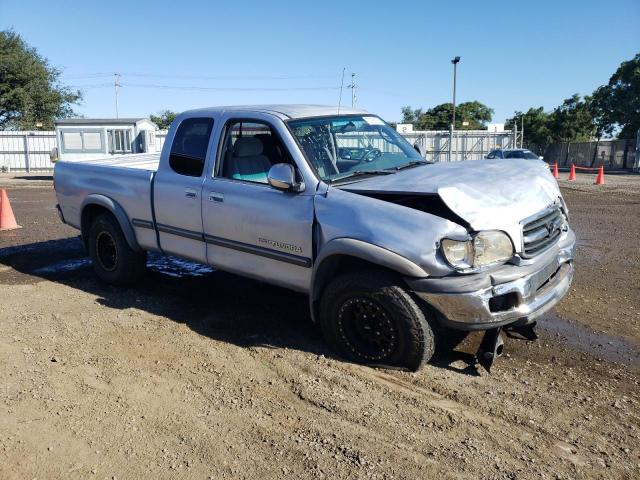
82 141
249 150
189 149
119 141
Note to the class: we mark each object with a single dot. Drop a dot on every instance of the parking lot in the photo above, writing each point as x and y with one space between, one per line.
202 374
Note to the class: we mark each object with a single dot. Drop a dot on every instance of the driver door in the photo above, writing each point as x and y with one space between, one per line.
251 228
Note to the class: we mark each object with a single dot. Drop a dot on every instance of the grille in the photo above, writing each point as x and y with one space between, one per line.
542 232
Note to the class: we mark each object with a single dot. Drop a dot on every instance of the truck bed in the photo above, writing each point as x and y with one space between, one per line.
141 161
124 180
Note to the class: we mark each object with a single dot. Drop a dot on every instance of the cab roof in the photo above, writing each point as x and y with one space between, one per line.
285 112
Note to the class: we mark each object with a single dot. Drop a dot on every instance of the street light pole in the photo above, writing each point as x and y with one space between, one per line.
455 61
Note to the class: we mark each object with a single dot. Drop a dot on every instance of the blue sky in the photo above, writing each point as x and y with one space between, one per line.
515 55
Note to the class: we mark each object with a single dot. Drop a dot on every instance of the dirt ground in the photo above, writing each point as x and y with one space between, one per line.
201 374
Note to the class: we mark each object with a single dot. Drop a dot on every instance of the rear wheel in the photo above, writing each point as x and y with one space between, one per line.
113 259
369 317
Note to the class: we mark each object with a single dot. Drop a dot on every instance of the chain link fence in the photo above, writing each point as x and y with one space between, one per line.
612 154
466 144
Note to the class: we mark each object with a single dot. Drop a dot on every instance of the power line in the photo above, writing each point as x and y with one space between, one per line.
227 89
199 77
195 87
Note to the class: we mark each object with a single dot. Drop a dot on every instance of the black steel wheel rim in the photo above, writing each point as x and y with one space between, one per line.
106 251
367 329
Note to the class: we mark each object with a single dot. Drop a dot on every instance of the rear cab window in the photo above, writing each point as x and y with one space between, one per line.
190 144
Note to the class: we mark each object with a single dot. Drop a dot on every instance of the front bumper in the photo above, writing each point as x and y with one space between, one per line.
512 294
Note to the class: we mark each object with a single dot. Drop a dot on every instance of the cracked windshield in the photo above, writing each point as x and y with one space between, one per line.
344 147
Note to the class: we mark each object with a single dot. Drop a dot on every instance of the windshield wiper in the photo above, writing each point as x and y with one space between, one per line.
358 173
411 164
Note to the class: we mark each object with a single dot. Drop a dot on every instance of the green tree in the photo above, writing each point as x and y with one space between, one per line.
163 119
30 92
573 120
475 114
617 104
535 123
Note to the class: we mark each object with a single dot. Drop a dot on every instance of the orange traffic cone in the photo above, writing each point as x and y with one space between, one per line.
572 173
7 220
555 170
600 177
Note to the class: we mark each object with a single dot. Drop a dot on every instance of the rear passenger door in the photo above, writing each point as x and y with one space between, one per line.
251 228
177 192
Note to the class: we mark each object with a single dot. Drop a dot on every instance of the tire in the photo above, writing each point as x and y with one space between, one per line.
113 259
370 318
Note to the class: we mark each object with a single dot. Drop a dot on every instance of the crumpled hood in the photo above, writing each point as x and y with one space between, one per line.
488 194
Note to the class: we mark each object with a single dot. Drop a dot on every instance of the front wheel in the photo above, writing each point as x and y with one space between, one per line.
369 317
113 259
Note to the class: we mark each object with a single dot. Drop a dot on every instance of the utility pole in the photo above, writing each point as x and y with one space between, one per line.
116 85
453 116
341 87
354 98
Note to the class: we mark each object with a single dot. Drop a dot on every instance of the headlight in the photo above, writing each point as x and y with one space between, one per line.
486 248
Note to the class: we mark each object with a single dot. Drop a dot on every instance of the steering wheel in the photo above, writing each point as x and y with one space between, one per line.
371 154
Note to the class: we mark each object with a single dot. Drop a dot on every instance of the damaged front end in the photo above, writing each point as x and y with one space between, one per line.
510 249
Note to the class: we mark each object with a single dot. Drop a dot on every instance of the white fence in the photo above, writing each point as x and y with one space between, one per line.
26 151
29 151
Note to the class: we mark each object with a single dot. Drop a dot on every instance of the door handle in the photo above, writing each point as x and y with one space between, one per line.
189 193
216 197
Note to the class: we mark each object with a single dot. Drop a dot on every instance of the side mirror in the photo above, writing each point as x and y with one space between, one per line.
541 158
282 176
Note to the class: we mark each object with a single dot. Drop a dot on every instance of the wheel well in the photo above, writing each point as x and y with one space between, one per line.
334 266
89 213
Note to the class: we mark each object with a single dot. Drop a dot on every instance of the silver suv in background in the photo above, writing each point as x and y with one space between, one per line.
513 153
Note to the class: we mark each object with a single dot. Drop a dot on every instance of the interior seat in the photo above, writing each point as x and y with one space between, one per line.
270 148
247 161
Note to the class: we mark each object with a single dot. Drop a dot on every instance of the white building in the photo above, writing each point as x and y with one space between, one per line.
87 138
404 128
495 127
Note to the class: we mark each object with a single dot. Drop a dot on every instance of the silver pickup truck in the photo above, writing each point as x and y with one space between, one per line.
393 251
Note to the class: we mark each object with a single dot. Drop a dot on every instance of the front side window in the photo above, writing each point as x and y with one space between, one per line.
352 145
189 148
250 149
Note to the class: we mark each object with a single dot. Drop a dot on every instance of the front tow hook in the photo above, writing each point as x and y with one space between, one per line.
490 348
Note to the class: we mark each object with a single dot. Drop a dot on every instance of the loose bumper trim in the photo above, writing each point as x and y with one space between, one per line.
59 210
